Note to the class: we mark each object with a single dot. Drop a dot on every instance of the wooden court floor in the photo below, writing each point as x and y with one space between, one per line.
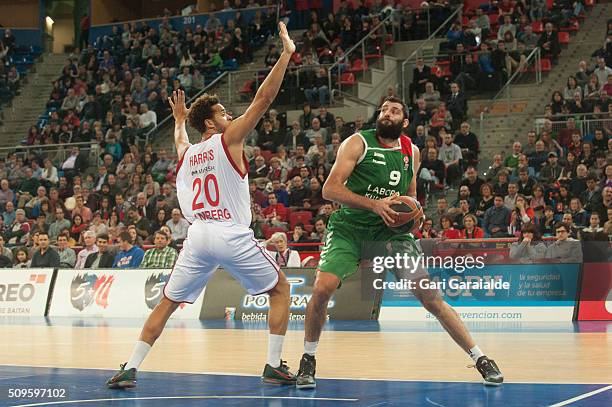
524 357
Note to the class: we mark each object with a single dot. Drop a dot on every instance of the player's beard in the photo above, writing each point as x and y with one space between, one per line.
390 131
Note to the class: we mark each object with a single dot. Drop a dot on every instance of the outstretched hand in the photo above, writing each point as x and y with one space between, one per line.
179 108
288 45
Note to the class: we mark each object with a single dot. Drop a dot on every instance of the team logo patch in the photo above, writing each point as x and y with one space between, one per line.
406 162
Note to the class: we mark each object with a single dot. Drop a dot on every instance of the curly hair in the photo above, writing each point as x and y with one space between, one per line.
201 110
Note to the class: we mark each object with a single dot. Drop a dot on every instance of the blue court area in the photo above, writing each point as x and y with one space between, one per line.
86 387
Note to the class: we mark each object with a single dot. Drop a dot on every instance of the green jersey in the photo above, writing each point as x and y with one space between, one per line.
380 172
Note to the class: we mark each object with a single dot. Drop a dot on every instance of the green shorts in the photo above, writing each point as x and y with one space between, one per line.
344 245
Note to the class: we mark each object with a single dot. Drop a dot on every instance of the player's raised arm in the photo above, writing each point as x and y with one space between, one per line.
180 113
335 189
242 126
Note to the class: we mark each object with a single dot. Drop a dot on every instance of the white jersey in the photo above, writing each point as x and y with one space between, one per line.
210 186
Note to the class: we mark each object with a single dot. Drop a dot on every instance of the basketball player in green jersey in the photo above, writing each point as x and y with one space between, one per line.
371 168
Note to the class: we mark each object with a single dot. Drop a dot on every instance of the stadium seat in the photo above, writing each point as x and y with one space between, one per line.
589 3
359 65
268 230
545 65
230 64
538 27
266 154
248 87
299 217
348 78
564 38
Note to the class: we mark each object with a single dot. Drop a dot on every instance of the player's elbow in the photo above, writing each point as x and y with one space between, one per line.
329 191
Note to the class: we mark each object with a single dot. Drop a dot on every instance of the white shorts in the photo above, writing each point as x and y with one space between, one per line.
210 245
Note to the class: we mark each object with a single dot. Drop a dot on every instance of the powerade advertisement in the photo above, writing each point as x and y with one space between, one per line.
225 298
499 292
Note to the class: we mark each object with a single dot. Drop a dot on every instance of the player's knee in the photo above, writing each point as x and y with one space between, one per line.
324 288
433 304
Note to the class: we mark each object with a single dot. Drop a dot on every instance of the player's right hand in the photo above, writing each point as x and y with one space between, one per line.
179 108
382 207
288 45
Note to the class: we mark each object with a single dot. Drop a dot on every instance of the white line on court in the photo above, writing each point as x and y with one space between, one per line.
213 373
182 398
582 396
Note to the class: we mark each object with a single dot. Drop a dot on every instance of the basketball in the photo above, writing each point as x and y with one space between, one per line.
410 214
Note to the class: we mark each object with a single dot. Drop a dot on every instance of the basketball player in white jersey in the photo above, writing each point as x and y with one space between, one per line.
213 192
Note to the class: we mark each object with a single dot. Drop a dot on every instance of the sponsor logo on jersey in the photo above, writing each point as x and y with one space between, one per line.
87 288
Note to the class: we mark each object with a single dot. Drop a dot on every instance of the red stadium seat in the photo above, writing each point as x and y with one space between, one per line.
300 217
247 87
268 231
389 40
564 38
348 78
538 27
359 65
546 65
266 155
494 19
589 3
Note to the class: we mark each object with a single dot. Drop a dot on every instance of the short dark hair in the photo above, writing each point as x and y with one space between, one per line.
102 236
201 110
395 99
42 232
562 225
125 236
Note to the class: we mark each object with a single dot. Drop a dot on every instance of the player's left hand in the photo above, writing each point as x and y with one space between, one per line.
288 45
179 108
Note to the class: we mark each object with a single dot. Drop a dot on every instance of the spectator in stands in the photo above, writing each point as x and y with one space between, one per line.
430 96
320 231
506 26
44 256
602 72
496 218
19 230
22 258
58 225
178 226
129 256
564 249
160 256
551 171
284 256
529 38
521 215
102 259
450 154
89 242
486 199
594 232
5 251
275 213
299 235
67 256
421 74
473 182
529 247
470 230
447 230
549 42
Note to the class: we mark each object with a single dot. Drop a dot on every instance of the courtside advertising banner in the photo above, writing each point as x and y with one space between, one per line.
478 285
116 293
596 293
225 298
24 292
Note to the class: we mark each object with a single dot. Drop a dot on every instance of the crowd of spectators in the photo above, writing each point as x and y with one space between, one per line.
10 78
113 209
116 91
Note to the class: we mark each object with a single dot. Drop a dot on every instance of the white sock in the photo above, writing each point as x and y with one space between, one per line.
310 348
275 349
475 353
141 349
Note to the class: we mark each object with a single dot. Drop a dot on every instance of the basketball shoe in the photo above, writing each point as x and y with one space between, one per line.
123 379
306 375
278 375
490 372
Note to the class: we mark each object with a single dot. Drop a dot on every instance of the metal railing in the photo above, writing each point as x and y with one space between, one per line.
359 46
535 58
587 123
156 129
58 152
455 15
